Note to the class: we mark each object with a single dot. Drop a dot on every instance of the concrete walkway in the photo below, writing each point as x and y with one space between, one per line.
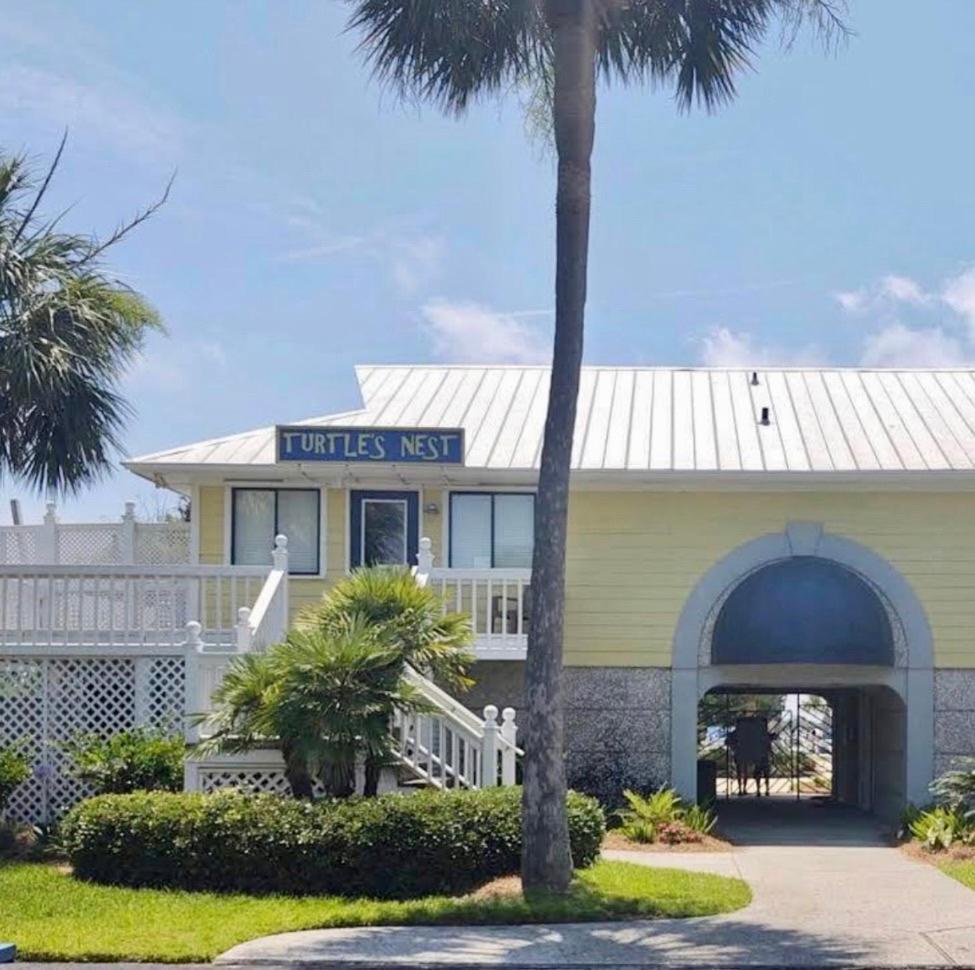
827 891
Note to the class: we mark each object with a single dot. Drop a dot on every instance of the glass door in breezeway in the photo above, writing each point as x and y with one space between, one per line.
784 739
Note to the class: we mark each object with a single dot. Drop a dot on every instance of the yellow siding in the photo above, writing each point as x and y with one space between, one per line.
210 511
633 558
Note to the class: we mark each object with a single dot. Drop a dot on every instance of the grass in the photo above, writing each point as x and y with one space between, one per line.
961 869
52 916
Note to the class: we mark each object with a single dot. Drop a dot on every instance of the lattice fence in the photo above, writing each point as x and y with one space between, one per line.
45 701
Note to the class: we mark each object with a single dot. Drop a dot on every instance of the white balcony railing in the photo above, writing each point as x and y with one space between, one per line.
498 602
108 606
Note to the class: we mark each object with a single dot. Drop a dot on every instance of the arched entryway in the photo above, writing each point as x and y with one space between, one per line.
805 610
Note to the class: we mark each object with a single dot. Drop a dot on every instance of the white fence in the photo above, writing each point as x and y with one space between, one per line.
126 542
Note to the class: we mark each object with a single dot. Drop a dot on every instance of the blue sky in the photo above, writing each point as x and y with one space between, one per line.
827 216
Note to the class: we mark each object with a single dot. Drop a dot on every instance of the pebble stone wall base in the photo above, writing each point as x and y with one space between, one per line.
954 718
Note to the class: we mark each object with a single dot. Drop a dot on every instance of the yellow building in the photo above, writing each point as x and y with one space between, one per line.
805 531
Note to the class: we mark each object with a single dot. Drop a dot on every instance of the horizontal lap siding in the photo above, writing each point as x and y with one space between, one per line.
634 557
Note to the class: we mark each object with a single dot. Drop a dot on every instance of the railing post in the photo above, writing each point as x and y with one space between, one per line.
424 558
143 673
509 732
245 636
48 551
193 680
489 748
280 558
127 552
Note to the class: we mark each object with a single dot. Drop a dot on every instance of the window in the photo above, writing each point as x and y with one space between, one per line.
259 514
491 529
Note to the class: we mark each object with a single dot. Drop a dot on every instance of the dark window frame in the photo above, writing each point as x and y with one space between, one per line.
492 494
317 571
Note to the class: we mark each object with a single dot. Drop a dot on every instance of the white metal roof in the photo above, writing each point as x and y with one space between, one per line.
658 419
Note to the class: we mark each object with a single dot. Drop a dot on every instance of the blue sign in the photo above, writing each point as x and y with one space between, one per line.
437 446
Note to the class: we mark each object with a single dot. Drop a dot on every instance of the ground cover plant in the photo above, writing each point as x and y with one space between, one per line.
53 916
662 816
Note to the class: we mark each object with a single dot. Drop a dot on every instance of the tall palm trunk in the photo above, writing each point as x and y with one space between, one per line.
547 860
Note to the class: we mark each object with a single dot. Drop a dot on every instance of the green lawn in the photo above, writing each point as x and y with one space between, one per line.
961 869
52 916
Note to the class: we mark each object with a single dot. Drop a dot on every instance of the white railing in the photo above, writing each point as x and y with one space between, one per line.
105 606
449 746
126 542
498 602
267 621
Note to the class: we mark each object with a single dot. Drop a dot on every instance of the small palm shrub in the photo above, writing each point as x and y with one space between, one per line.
137 759
391 846
957 788
662 816
14 771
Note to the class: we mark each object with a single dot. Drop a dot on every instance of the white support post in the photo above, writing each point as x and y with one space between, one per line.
489 748
279 555
509 732
191 689
48 552
143 672
245 636
128 534
191 775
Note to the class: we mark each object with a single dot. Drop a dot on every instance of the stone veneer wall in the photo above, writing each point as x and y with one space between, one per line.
954 717
617 722
617 729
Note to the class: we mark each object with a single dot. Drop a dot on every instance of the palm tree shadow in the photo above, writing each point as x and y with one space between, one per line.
699 942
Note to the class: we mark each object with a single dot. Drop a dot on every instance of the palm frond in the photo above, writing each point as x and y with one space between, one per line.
700 47
450 52
68 330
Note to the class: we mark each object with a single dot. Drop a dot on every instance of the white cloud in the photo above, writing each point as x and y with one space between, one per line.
900 346
886 293
413 259
171 365
462 332
959 294
723 347
99 111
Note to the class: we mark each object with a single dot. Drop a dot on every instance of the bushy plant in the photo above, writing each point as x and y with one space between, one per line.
137 759
662 816
942 827
14 771
393 846
957 788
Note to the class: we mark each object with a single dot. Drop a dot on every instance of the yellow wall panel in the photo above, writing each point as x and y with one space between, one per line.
634 557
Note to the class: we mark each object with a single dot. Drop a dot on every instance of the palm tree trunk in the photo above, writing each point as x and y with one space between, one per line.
546 857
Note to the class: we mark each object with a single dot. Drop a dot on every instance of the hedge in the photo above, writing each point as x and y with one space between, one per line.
393 847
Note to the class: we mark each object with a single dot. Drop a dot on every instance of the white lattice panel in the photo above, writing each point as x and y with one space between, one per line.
162 543
252 780
90 545
45 702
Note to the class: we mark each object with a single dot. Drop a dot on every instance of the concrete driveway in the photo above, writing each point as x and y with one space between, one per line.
827 890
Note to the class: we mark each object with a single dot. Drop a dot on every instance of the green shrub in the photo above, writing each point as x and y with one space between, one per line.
956 789
394 846
138 759
663 817
14 771
941 827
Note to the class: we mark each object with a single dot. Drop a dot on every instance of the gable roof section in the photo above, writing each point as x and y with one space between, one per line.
659 419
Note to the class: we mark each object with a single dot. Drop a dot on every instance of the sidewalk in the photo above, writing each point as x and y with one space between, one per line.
827 891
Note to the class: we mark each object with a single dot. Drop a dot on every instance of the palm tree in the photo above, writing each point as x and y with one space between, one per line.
324 697
421 631
67 331
453 51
